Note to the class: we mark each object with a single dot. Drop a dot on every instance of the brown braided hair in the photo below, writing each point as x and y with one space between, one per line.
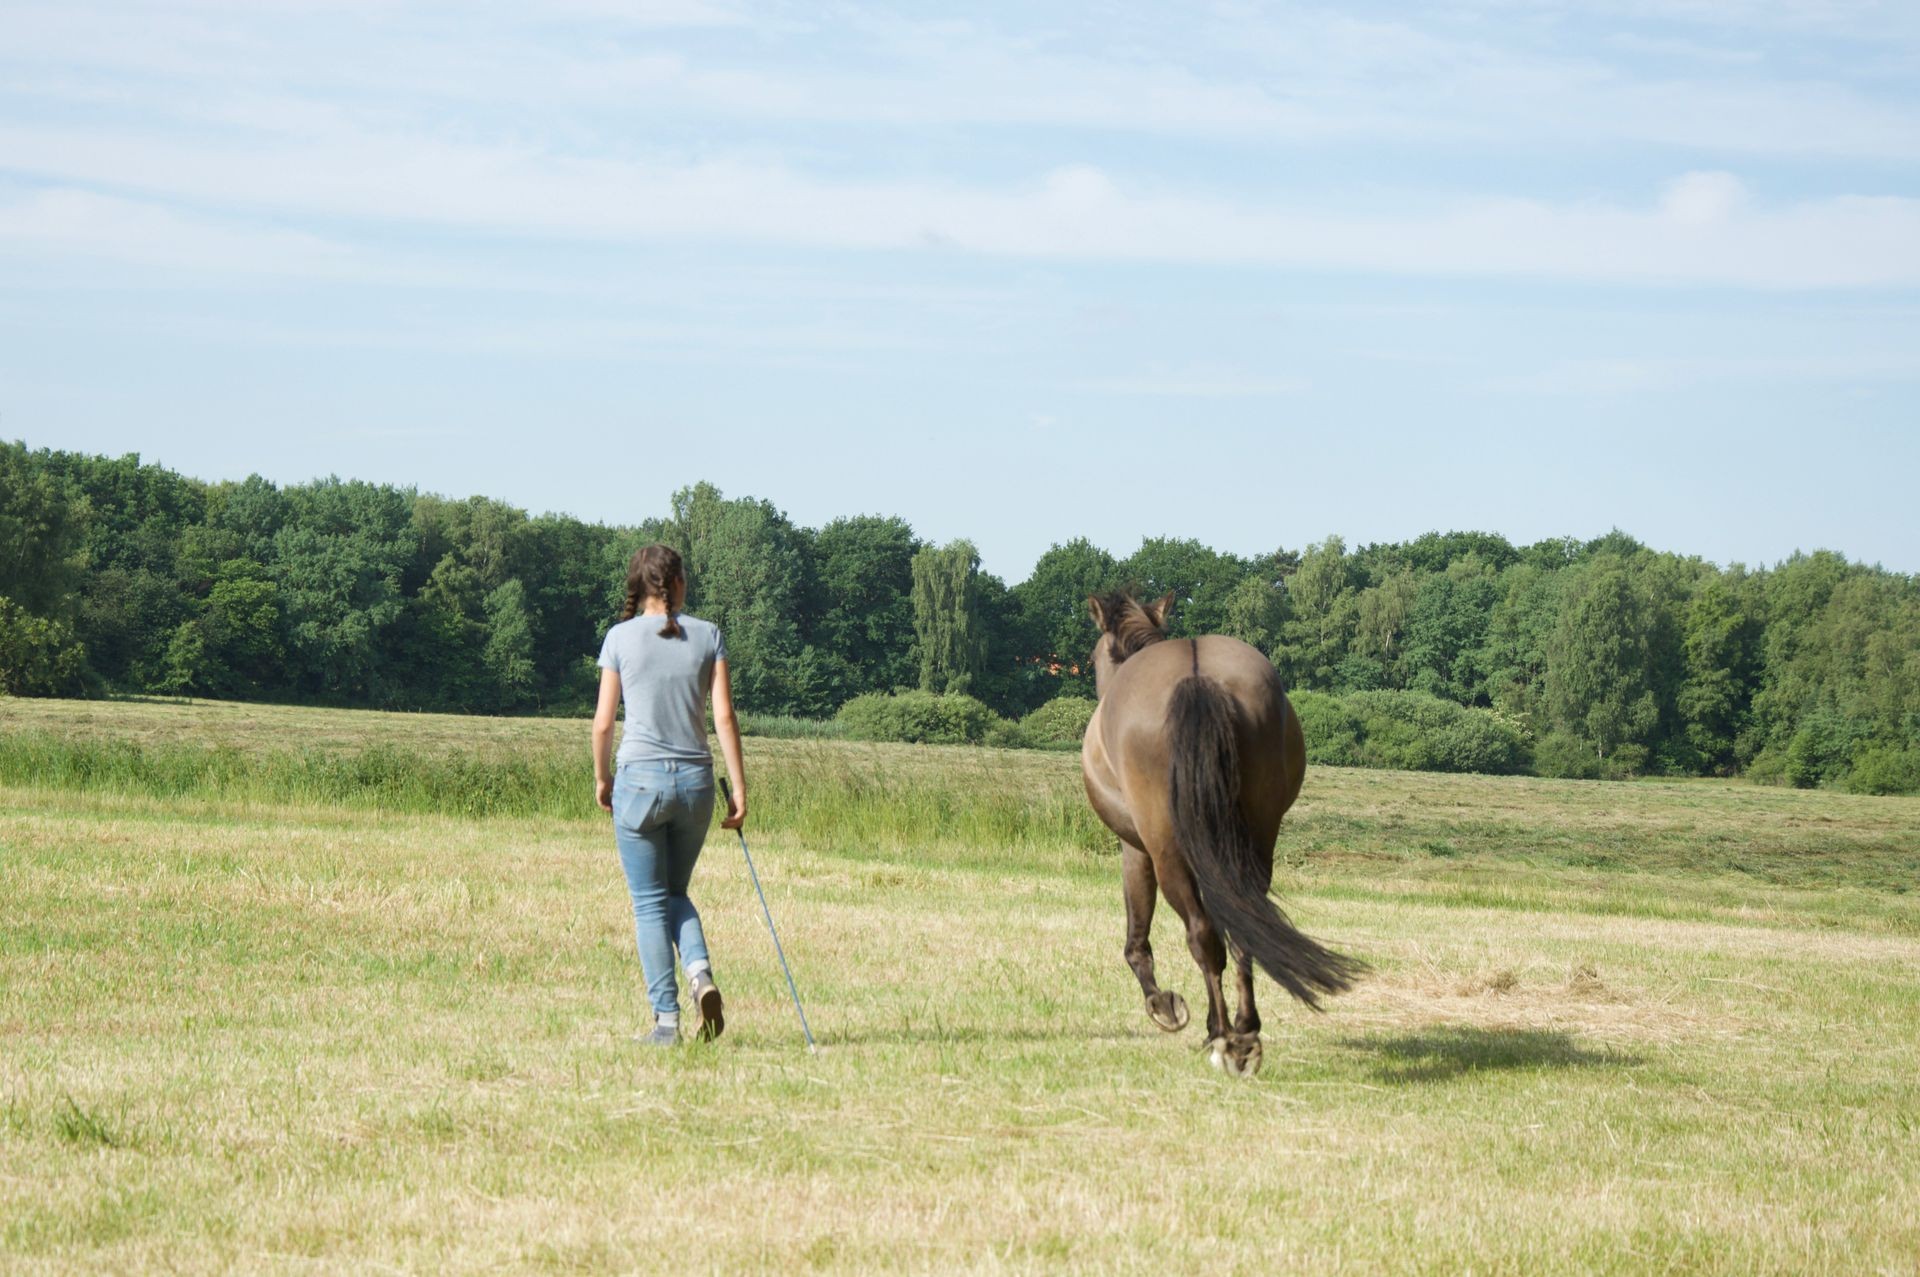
651 573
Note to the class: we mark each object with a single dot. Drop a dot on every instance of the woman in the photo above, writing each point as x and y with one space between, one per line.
663 666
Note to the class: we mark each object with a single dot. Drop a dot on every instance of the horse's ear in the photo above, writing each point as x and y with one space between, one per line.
1098 611
1160 609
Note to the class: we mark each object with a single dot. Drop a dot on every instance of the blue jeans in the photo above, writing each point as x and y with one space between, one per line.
661 811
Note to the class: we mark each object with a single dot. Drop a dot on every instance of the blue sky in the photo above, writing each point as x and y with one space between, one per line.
1252 273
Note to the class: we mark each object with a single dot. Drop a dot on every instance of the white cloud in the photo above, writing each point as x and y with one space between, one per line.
1702 231
1624 375
1287 76
1703 199
1196 382
491 118
85 224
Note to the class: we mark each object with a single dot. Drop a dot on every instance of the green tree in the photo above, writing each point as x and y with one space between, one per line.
946 617
1011 682
1380 632
1322 615
862 615
1199 578
1254 611
1722 645
39 655
747 569
1447 631
43 524
1435 552
1666 584
232 648
1598 687
439 651
566 583
1052 605
338 562
1519 633
135 594
508 654
1797 674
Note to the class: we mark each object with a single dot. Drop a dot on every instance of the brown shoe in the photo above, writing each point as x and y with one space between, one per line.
706 996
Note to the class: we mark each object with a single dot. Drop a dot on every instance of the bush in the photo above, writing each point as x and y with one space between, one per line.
1332 730
39 656
1416 731
1408 731
1822 748
917 718
1566 756
1004 733
1061 721
1884 769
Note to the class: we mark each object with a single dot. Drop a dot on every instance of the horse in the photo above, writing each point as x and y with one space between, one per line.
1192 757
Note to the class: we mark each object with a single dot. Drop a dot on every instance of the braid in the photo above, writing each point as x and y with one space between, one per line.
660 582
651 573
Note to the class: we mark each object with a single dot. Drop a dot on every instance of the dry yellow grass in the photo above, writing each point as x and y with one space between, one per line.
234 1036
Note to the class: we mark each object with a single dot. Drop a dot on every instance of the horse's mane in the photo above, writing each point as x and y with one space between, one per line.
1131 625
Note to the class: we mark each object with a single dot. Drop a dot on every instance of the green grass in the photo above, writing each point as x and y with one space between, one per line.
247 1025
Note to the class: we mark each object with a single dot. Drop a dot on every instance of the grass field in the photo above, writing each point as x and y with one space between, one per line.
264 1007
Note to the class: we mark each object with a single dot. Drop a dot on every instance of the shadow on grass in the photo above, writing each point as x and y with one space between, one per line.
1442 1053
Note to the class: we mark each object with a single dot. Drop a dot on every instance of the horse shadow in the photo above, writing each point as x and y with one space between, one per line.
1445 1052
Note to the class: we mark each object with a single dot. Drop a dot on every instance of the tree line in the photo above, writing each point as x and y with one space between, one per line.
1605 656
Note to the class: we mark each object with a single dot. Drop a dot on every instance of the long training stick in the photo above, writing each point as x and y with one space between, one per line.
768 915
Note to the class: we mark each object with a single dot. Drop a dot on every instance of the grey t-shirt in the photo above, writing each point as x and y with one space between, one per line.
664 683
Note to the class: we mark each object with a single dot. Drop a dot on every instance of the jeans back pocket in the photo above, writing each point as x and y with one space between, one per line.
634 806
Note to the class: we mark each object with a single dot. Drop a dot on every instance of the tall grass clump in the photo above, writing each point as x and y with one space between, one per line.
904 799
537 781
831 794
791 727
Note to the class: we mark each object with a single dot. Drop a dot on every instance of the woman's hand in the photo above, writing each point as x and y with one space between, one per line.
603 793
736 812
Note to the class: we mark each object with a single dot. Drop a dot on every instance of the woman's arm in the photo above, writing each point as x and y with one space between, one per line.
603 716
727 728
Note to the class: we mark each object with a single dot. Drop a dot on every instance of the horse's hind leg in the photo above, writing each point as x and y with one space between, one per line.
1248 1021
1210 951
1166 1008
1231 1050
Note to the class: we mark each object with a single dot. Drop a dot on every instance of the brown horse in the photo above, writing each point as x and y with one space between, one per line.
1192 757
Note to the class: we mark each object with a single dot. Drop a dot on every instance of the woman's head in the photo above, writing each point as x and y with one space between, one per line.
655 572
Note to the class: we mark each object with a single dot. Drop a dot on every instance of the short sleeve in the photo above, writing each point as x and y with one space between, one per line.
609 654
719 645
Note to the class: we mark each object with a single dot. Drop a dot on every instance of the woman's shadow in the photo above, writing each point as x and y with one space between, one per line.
1444 1052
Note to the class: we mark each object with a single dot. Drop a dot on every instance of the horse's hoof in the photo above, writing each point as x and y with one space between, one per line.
1168 1010
1236 1055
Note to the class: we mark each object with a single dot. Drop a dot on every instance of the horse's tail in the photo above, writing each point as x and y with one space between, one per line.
1213 835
